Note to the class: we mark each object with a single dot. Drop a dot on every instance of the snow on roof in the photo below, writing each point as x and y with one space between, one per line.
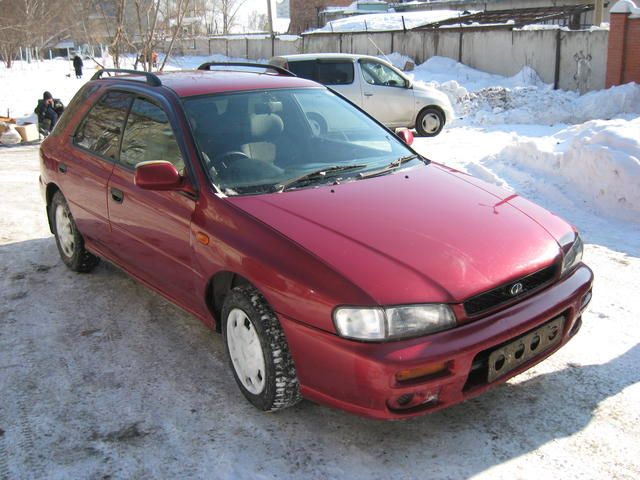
387 21
626 6
65 44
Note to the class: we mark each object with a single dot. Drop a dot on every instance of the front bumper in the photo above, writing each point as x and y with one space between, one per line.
361 377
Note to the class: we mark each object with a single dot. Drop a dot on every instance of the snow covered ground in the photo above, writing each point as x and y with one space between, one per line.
101 378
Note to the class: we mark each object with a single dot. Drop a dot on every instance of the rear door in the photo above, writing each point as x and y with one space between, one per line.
85 172
386 95
340 76
152 229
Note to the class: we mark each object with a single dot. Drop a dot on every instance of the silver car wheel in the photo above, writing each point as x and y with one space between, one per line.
245 351
64 230
431 122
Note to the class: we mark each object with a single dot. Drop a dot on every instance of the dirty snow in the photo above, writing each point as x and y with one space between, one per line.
99 377
484 98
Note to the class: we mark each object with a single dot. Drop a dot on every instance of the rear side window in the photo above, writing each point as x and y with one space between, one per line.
304 69
326 72
79 98
149 136
100 130
335 73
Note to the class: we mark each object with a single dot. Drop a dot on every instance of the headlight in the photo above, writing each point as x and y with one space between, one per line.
573 257
375 324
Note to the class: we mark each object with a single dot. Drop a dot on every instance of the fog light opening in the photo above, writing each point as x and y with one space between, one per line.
409 402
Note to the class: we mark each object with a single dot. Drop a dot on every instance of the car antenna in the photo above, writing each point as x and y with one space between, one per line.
379 50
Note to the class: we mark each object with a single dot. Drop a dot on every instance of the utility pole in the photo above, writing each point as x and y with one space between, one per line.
270 17
598 12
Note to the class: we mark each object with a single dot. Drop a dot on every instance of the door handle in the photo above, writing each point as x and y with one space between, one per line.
62 168
117 195
368 94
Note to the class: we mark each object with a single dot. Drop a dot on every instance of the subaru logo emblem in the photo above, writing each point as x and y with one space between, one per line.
516 289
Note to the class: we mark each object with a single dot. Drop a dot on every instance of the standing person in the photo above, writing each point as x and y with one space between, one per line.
77 64
154 59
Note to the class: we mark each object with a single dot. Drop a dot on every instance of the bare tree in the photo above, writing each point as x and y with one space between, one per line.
257 22
30 23
228 12
181 10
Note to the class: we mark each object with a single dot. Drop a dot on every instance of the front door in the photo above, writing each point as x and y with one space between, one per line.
152 229
386 95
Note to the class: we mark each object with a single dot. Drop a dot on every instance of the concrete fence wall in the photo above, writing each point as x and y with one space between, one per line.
571 60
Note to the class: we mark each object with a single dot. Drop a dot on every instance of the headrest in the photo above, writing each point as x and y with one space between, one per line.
267 107
265 125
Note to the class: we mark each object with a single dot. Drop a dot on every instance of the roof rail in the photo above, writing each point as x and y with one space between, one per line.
283 71
150 78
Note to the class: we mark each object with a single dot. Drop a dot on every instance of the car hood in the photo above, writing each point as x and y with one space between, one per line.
423 234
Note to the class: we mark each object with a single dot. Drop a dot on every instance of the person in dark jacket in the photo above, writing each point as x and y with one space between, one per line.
77 64
48 110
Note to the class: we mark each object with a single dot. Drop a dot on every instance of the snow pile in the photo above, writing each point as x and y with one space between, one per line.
534 105
486 99
443 69
386 21
598 162
397 60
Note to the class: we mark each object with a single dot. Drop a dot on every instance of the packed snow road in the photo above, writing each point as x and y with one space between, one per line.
101 378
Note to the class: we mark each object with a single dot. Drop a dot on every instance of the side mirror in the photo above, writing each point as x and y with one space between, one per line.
405 135
158 175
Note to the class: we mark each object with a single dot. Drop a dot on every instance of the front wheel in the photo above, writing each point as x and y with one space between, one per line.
68 239
258 350
430 122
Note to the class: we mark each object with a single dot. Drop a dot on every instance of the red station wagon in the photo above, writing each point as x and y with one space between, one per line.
339 264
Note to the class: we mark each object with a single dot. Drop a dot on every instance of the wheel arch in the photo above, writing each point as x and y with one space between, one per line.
431 106
217 289
51 190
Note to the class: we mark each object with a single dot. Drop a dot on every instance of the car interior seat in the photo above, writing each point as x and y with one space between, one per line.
265 128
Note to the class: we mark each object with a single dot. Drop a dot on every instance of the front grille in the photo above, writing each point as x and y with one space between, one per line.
496 297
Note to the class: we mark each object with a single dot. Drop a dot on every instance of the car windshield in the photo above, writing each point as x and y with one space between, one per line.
267 141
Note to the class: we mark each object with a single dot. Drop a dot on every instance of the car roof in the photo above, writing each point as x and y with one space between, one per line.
338 56
188 83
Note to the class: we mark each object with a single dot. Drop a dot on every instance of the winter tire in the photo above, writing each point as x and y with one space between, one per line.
430 122
258 350
68 239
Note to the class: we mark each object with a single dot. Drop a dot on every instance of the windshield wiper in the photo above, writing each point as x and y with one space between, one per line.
318 174
391 166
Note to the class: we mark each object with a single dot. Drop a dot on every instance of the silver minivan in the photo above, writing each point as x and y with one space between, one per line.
377 87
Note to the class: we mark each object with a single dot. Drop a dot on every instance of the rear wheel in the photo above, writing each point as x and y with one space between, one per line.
68 239
430 122
258 350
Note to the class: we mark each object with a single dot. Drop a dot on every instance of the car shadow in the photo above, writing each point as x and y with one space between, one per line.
99 372
505 423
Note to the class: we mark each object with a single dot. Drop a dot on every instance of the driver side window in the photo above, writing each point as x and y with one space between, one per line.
148 136
375 73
